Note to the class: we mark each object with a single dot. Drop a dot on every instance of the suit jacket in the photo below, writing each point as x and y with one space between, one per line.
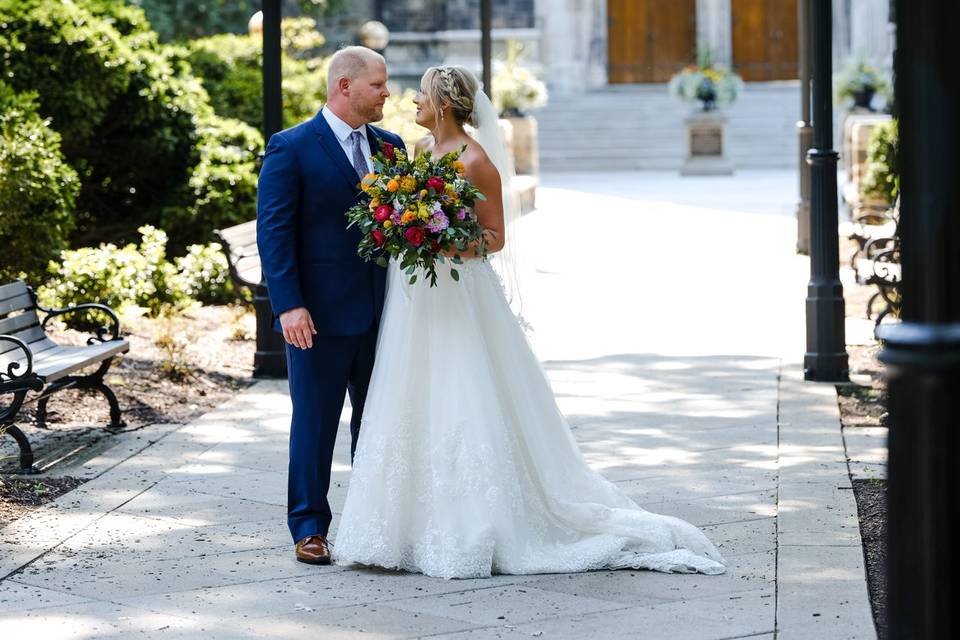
308 256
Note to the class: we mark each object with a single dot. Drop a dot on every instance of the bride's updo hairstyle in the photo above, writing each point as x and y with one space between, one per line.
454 86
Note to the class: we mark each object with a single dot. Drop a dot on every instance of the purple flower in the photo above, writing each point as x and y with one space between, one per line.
462 214
438 222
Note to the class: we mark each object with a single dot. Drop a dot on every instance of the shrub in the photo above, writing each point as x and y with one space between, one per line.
119 277
37 189
881 177
204 275
139 275
222 189
230 67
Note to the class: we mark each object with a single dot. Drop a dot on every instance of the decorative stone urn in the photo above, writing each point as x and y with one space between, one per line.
707 154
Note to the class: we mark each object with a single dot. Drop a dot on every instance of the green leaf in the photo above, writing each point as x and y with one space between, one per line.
455 274
413 279
382 262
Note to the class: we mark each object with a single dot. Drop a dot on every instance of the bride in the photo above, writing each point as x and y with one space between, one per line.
465 466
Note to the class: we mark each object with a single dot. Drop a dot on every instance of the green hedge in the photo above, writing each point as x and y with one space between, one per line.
37 189
230 67
135 122
138 275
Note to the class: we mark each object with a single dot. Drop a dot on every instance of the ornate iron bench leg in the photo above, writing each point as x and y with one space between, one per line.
92 382
7 426
26 452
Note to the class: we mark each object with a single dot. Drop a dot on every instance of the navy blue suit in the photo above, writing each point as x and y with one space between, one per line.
309 259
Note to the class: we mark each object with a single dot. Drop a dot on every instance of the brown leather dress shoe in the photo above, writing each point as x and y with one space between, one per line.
313 550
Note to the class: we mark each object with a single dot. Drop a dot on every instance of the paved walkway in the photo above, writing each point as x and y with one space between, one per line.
670 326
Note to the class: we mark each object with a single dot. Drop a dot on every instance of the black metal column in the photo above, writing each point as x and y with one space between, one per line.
270 359
486 44
923 352
804 130
826 355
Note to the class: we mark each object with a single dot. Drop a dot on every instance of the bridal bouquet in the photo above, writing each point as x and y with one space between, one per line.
417 210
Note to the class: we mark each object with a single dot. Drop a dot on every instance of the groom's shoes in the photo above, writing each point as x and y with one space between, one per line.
313 550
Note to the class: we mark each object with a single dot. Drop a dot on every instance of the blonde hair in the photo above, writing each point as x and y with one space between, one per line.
454 86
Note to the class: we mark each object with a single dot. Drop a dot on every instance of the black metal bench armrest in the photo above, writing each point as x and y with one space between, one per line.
10 375
112 331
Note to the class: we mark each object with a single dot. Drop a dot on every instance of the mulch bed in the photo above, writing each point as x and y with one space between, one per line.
178 368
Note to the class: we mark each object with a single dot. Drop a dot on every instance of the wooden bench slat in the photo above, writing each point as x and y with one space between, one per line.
28 335
60 361
11 324
13 289
16 303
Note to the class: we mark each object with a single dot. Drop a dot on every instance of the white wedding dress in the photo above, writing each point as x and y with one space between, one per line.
465 466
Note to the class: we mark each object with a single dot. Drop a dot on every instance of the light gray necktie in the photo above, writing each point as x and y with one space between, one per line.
359 161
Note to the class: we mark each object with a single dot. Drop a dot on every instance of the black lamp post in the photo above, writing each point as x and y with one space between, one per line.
486 44
804 130
826 355
922 353
270 359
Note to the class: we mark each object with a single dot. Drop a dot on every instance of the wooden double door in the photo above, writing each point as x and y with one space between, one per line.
765 39
649 40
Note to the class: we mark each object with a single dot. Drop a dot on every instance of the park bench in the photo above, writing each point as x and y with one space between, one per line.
31 361
240 245
876 260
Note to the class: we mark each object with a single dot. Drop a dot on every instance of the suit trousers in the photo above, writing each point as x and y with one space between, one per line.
319 379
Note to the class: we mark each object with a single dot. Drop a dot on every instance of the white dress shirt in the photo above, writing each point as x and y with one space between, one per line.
342 131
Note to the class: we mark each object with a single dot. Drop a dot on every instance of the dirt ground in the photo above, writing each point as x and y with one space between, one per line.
178 368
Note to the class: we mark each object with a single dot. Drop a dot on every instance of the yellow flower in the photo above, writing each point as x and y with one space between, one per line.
424 193
392 186
459 167
423 212
408 184
374 203
387 223
408 216
368 181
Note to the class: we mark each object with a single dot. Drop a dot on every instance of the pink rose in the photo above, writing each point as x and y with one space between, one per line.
435 183
383 212
378 237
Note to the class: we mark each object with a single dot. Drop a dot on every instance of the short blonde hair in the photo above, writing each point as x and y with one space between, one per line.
455 86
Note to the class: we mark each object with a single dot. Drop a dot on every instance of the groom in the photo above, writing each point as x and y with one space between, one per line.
325 299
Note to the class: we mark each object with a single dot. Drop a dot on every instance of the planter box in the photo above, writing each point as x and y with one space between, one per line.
706 150
526 150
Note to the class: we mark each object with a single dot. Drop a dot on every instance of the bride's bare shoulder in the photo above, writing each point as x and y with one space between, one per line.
475 159
423 144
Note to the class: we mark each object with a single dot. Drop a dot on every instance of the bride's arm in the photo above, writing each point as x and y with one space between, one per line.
481 173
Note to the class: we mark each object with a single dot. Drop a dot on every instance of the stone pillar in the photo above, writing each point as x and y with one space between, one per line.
573 49
870 37
714 29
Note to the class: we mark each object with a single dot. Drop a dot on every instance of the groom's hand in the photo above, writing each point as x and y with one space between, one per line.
298 329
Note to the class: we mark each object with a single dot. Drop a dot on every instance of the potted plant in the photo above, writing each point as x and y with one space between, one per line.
859 83
516 90
710 84
706 81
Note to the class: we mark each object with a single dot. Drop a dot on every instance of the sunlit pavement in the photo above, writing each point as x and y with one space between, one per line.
668 312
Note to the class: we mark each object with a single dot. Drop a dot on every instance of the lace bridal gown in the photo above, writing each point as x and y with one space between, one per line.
465 466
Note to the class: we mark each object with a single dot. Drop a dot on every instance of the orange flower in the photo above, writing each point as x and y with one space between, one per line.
408 217
459 167
393 185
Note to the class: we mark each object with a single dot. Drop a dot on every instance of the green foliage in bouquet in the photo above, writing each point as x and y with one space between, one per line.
37 189
231 67
882 178
417 210
515 88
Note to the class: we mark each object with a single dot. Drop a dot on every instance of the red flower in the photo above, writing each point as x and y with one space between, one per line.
434 246
435 183
383 212
389 152
415 236
378 237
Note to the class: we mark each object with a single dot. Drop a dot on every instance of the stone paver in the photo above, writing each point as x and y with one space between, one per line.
674 358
